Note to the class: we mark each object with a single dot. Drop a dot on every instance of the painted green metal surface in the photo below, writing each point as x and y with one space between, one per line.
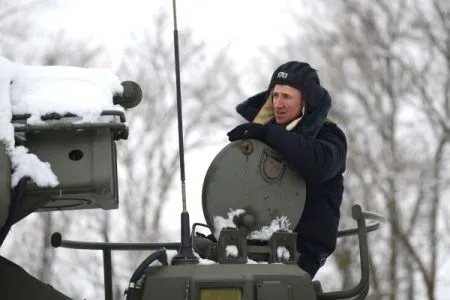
257 281
84 162
249 175
17 284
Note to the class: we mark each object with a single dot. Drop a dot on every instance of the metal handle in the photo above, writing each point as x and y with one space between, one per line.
57 241
362 288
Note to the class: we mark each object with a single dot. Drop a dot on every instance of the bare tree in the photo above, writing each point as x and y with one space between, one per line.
29 242
16 22
387 66
149 160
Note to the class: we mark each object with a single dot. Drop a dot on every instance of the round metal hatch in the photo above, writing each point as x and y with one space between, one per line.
249 175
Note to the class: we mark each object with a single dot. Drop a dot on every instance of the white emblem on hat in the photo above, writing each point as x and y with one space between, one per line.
283 75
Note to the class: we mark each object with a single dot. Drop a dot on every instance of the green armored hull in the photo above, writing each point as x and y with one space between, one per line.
242 281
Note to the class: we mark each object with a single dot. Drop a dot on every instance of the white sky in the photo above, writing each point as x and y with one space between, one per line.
242 25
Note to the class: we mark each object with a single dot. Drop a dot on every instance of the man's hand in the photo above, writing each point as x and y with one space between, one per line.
248 131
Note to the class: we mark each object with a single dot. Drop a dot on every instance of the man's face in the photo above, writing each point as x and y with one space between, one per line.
287 103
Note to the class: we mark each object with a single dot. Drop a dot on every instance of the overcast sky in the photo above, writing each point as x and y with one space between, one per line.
244 24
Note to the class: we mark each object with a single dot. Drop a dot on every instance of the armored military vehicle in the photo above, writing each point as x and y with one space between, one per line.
250 256
250 198
249 259
253 253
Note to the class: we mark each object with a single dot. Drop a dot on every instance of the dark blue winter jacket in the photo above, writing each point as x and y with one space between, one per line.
316 148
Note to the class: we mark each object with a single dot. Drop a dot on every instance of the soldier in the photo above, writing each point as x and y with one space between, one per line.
291 117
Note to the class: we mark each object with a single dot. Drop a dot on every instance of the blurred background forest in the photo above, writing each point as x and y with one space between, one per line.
385 63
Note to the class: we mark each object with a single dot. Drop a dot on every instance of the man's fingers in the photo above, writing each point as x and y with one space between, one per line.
237 133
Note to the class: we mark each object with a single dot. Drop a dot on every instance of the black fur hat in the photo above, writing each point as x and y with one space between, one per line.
299 75
302 76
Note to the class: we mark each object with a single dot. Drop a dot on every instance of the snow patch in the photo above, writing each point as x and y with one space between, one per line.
28 164
283 253
39 90
265 233
231 251
280 223
221 223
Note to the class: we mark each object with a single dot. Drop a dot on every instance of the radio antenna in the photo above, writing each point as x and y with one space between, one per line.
185 254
